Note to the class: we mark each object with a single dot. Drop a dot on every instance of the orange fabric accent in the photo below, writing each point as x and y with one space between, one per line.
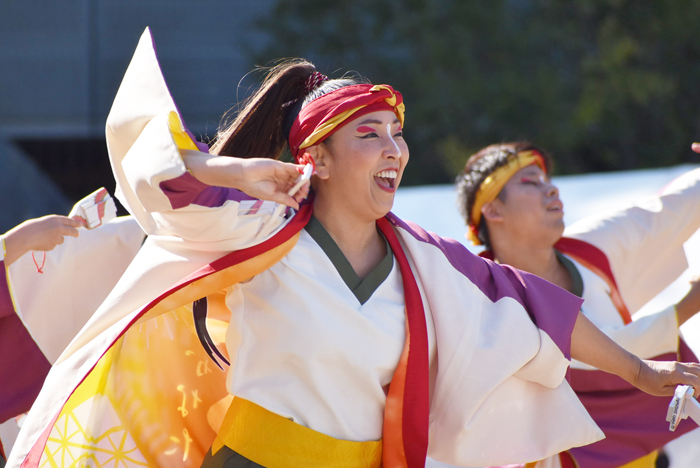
595 260
394 455
210 284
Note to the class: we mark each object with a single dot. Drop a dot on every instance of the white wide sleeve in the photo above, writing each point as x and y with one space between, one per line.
145 137
174 204
77 276
648 336
644 242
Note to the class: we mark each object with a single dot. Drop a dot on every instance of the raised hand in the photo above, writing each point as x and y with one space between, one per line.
266 179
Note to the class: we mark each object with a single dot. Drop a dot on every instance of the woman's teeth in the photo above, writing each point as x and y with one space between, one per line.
386 178
387 174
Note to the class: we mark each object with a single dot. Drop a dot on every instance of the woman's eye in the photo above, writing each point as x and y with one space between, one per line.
368 135
399 134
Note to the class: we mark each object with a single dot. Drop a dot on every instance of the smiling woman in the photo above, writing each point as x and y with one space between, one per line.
331 309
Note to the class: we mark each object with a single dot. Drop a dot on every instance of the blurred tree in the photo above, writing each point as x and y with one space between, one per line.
603 84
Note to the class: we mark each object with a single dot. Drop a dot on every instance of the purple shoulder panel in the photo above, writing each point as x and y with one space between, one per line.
203 147
551 308
187 190
7 308
23 368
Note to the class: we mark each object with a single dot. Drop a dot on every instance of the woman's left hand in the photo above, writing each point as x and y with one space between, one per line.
660 378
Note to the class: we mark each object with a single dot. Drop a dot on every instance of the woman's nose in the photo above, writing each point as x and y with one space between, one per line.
393 151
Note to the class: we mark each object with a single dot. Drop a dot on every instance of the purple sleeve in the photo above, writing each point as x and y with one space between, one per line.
187 190
23 367
7 308
553 309
550 307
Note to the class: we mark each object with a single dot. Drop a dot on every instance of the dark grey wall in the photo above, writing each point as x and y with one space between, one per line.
62 62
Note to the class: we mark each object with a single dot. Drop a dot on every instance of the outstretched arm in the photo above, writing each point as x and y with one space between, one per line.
687 307
266 179
40 234
593 347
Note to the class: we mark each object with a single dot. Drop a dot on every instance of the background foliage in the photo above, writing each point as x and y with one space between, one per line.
602 84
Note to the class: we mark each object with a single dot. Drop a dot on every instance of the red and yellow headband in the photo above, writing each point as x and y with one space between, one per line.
494 183
323 116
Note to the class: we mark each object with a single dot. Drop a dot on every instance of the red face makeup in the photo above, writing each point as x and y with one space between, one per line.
365 129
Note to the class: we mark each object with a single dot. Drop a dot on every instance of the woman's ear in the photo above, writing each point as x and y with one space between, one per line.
319 154
491 211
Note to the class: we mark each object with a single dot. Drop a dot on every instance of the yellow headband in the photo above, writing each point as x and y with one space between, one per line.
494 183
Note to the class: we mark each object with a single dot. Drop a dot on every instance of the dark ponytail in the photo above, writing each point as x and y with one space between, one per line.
256 130
261 127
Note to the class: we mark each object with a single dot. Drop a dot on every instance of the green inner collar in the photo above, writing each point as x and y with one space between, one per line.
361 288
573 271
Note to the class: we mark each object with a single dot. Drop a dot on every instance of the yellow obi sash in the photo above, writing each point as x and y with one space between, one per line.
276 442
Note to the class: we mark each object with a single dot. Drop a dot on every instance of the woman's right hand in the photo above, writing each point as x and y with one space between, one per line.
265 179
660 378
268 179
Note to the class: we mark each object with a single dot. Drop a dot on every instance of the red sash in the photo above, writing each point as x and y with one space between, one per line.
595 260
407 404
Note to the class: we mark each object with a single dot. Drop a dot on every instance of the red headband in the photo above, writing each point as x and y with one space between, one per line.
326 114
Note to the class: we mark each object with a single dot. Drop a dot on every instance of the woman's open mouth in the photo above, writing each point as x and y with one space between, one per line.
386 180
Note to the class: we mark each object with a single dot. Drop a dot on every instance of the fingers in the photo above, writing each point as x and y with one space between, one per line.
302 193
51 230
69 226
690 375
696 147
285 199
291 170
73 222
62 226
